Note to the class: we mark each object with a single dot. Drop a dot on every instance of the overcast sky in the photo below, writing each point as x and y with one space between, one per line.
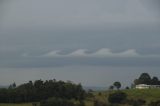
95 42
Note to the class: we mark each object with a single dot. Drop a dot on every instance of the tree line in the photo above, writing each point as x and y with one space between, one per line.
145 78
41 90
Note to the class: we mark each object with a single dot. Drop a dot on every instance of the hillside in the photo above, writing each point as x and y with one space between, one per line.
147 94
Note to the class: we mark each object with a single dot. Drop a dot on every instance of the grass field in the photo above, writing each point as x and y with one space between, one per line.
147 95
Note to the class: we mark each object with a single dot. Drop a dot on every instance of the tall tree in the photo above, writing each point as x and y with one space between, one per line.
117 85
155 81
143 79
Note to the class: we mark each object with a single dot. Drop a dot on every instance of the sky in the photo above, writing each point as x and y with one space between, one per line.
92 42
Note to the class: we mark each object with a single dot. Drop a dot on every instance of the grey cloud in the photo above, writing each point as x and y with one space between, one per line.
73 13
30 29
40 62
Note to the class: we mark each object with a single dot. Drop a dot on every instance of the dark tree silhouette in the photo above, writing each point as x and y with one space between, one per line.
117 97
41 90
117 85
146 79
111 87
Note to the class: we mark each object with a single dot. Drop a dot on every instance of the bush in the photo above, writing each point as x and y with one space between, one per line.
99 93
117 97
138 102
81 103
99 103
89 95
57 102
61 102
156 103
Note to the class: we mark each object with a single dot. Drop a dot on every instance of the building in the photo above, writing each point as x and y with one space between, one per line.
145 86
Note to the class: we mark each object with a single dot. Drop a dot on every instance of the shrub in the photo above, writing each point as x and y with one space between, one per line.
99 103
138 102
61 102
117 97
57 102
99 93
156 103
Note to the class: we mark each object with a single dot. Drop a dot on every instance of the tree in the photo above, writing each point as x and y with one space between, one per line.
14 85
127 87
136 82
111 87
144 78
117 97
155 81
117 85
42 90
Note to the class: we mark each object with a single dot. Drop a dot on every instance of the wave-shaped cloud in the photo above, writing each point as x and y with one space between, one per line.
104 52
84 57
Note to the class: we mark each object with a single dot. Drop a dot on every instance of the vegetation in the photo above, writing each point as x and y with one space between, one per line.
146 79
99 103
117 97
117 85
155 103
40 90
60 93
57 102
21 104
136 102
135 97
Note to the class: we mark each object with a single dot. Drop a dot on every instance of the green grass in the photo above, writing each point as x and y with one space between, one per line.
146 94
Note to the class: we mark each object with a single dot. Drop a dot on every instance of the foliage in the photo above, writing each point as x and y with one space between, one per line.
155 103
61 102
99 103
117 84
127 87
145 94
57 102
146 79
135 102
134 95
111 87
117 97
40 90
